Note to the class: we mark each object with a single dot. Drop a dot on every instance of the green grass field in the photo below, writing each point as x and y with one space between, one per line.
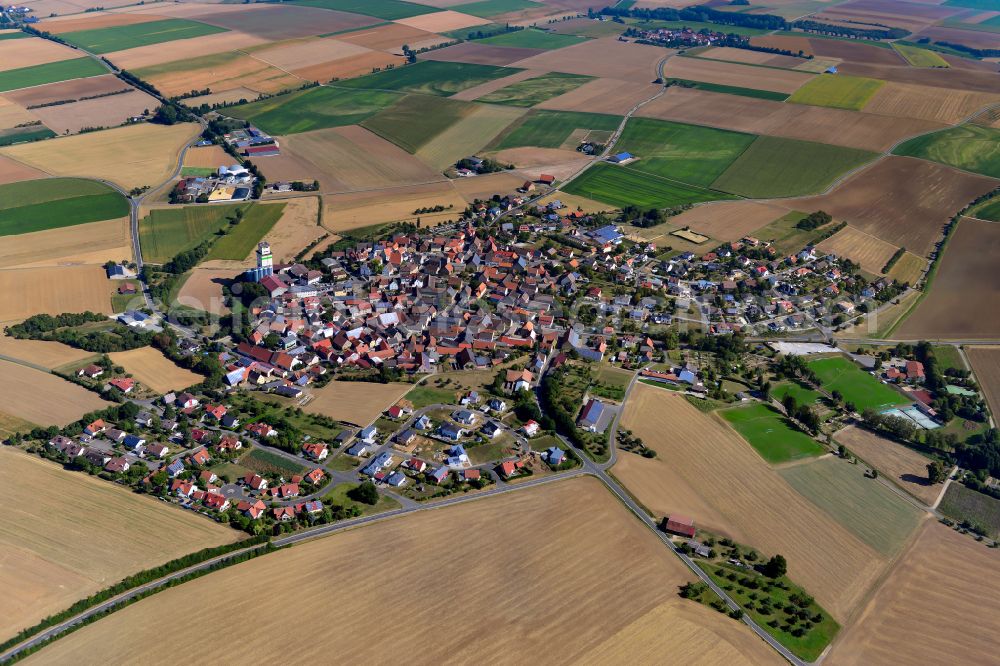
734 90
688 153
534 91
119 38
989 210
263 461
621 186
316 108
415 120
919 57
802 394
383 9
52 203
533 39
786 236
430 77
869 509
491 8
240 242
549 129
960 503
197 171
166 232
985 5
13 35
837 91
338 496
770 435
51 72
24 134
778 167
969 147
837 373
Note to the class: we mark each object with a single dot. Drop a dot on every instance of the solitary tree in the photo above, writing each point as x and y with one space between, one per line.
935 472
776 567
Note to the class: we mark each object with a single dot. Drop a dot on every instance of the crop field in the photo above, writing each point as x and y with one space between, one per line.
550 129
66 90
531 531
608 96
740 91
839 91
166 232
864 249
44 399
778 167
605 57
622 186
30 52
416 119
221 72
317 108
908 268
383 9
533 39
909 621
767 431
91 243
202 289
101 112
534 91
481 54
960 503
491 8
703 464
391 37
965 279
296 229
241 240
444 21
362 209
941 105
150 367
901 200
359 403
306 53
732 74
39 352
919 57
430 77
131 156
729 220
467 136
119 38
688 153
986 367
278 23
905 467
30 291
968 147
52 72
839 374
105 533
37 205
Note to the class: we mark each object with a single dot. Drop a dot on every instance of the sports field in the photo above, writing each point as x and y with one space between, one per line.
969 147
919 57
836 373
51 72
166 232
533 39
802 395
837 91
317 108
36 205
383 9
119 38
415 120
430 77
536 90
243 238
774 438
150 367
550 129
778 167
621 186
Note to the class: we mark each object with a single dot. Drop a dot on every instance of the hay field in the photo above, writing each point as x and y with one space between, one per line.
156 371
442 21
729 220
18 53
391 37
44 399
839 92
92 243
986 367
903 201
12 115
606 57
303 53
66 535
101 112
958 304
906 467
940 604
535 537
728 74
942 105
295 229
864 249
350 67
751 502
475 92
131 156
29 291
908 268
46 354
210 157
202 290
609 96
485 186
361 209
359 403
468 135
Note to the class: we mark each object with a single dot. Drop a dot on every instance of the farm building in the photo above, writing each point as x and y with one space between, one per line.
680 525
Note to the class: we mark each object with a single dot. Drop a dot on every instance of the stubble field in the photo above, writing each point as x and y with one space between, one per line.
729 220
870 252
29 291
359 403
39 352
295 229
93 243
906 467
729 74
150 367
44 399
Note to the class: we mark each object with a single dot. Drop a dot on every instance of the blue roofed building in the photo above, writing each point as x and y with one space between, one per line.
621 157
591 415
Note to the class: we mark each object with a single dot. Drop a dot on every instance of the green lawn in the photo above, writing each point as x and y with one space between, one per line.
770 434
837 373
778 167
550 129
14 135
919 57
51 72
621 186
948 356
241 240
533 39
960 503
425 394
415 120
338 496
534 91
197 171
430 77
802 395
316 108
166 232
688 153
873 512
383 9
734 90
37 205
786 236
491 8
969 147
119 38
837 91
263 461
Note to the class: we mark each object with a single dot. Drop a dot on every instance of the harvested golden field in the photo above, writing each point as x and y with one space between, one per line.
100 112
304 53
29 291
485 186
901 200
986 368
942 105
744 56
97 20
208 157
727 74
12 171
793 43
12 115
467 135
609 96
517 552
72 89
297 227
66 535
46 354
391 37
150 367
940 604
362 209
605 57
131 156
906 467
220 73
349 67
286 22
91 243
908 268
861 248
44 399
18 53
197 47
704 462
958 305
729 220
359 403
442 21
202 289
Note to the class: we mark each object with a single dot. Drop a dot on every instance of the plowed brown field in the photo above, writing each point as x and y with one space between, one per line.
861 248
906 467
273 23
12 171
728 74
605 57
609 96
